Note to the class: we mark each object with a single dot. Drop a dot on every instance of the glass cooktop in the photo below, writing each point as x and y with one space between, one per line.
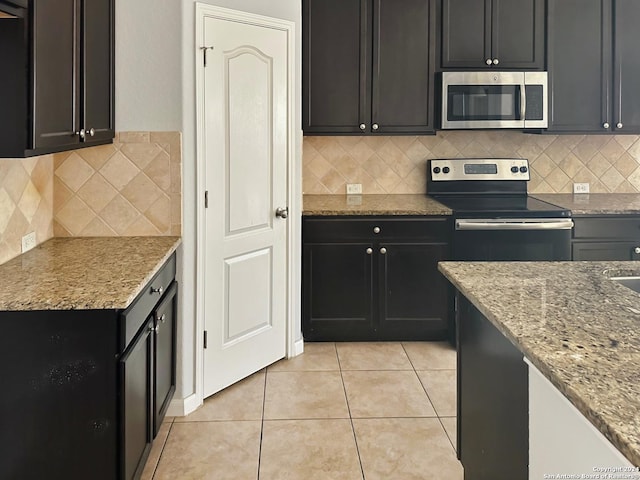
486 205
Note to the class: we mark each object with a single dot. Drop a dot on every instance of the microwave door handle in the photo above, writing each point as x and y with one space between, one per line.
523 102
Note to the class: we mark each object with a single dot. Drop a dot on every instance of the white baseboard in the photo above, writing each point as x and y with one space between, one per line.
298 348
181 407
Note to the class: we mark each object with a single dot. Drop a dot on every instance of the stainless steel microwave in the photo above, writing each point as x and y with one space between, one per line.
494 100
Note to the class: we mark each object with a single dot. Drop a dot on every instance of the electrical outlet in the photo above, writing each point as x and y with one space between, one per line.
28 241
354 188
580 188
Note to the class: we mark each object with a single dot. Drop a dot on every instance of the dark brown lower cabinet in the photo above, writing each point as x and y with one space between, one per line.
374 278
606 237
85 391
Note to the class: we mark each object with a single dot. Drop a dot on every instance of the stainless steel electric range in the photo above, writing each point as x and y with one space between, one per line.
494 217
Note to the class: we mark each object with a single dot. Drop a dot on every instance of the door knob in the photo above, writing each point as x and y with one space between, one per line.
605 125
488 61
496 61
619 126
369 251
376 229
282 212
81 133
363 126
375 126
383 250
92 132
637 250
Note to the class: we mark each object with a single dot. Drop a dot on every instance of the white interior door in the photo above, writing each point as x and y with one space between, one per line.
246 122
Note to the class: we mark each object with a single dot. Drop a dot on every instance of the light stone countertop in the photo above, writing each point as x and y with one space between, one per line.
400 204
578 327
594 203
82 273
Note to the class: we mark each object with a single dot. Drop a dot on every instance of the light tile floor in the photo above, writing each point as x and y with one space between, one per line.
361 411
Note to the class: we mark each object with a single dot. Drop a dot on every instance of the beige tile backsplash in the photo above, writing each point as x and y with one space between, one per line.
26 202
131 187
397 164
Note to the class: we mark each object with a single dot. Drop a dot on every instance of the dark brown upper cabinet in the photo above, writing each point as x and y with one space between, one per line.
594 67
57 87
499 34
368 66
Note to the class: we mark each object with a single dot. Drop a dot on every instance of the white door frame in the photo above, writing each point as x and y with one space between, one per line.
293 182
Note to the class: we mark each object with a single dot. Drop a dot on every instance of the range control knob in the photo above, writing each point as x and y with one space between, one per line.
514 169
436 169
446 170
523 169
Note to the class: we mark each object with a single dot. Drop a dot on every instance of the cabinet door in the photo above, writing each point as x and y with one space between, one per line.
337 292
413 295
602 251
136 370
626 95
97 60
578 46
336 66
403 64
466 33
517 34
164 380
55 74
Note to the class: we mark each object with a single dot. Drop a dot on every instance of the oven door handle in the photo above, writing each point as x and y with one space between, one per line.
515 224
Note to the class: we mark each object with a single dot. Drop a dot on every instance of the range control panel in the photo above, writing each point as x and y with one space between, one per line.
443 170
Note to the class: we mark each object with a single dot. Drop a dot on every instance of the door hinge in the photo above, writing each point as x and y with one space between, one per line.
204 53
205 339
206 199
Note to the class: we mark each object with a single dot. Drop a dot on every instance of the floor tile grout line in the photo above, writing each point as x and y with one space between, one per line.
264 402
164 444
353 428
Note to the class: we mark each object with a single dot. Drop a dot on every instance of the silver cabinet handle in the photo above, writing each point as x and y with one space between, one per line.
496 61
282 212
375 126
376 229
637 250
488 61
163 318
619 126
369 251
158 290
92 132
383 250
605 125
153 329
363 126
81 133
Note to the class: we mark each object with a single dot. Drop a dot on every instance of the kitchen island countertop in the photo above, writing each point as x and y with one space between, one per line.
392 204
576 325
82 273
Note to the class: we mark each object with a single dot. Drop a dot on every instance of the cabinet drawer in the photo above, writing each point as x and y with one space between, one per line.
140 309
347 229
615 227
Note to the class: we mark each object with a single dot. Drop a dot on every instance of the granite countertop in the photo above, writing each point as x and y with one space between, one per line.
595 203
82 273
400 204
578 327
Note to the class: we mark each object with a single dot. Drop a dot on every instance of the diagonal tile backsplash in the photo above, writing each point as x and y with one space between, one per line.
26 202
131 187
397 164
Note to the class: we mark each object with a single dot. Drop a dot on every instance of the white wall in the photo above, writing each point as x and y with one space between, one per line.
155 90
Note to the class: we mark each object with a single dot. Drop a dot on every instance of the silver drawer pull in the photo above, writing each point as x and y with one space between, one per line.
158 290
163 318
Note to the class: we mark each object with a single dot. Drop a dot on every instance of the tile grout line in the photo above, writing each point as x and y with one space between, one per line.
264 401
430 401
346 397
164 444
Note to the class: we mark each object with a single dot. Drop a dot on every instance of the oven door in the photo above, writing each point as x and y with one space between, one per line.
512 239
